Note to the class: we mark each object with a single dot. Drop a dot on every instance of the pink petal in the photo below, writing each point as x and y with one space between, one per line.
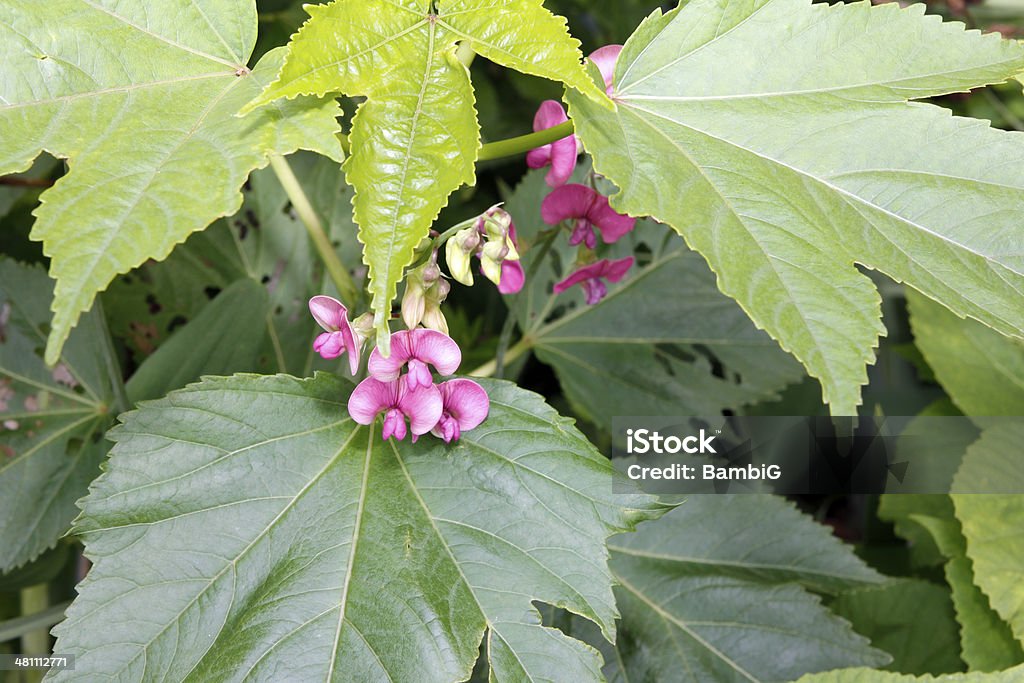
371 397
466 401
563 161
568 201
550 114
423 406
436 348
616 270
328 312
394 425
612 270
612 224
513 277
593 291
418 375
605 59
583 233
388 369
562 153
539 158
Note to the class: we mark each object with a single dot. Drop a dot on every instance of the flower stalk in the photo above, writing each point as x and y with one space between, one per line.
335 269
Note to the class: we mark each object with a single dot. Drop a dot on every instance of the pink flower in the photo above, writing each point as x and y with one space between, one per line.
417 348
513 277
605 59
560 154
465 406
398 400
339 337
512 274
591 278
589 208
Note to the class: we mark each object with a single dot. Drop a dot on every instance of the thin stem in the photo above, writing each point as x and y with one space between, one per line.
510 319
339 274
110 361
524 143
36 641
18 627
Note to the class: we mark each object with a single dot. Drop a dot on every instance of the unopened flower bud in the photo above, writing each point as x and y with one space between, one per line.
414 301
430 272
458 253
362 328
433 318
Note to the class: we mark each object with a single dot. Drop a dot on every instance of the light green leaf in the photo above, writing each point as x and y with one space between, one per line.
783 131
1015 675
912 620
695 353
141 100
982 370
994 524
245 526
712 592
51 420
986 641
415 139
224 338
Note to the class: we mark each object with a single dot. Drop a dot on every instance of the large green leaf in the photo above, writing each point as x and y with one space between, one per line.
663 341
415 139
246 527
140 98
985 640
784 133
1015 675
982 370
994 524
911 619
51 420
714 591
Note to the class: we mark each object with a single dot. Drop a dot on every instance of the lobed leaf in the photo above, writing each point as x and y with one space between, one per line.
51 420
785 133
141 101
715 590
415 138
246 527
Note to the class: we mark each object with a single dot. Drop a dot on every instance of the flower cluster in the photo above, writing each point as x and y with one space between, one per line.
446 410
580 206
492 239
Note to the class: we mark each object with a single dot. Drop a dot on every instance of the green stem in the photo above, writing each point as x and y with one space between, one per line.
524 143
35 599
113 366
337 271
488 369
37 621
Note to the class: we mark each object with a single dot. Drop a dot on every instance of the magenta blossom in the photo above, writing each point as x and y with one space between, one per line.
465 406
605 59
339 337
560 154
591 278
590 209
398 400
417 348
512 274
